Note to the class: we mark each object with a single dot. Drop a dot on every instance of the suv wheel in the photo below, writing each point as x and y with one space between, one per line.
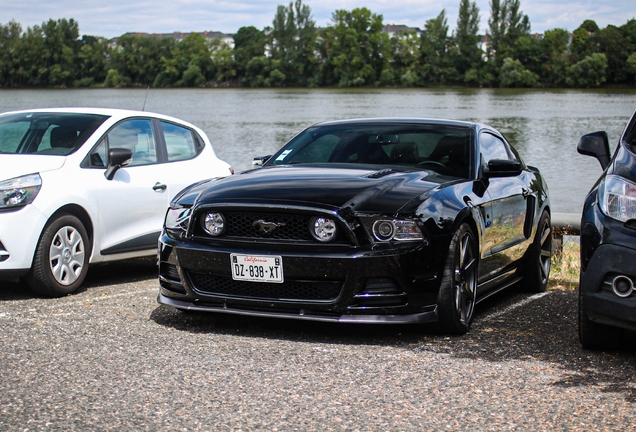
597 336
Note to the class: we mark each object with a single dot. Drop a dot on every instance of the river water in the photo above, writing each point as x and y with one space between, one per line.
544 125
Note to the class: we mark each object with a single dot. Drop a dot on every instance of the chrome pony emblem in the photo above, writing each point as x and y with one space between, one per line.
266 227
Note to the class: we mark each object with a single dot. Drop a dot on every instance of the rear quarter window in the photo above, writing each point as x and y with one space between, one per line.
180 142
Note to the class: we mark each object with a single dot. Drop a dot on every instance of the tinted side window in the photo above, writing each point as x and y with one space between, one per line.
137 136
492 147
180 143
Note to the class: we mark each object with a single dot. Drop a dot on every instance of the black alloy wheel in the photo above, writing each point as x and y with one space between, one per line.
458 290
539 258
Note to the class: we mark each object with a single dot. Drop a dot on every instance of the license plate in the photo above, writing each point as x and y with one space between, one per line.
256 268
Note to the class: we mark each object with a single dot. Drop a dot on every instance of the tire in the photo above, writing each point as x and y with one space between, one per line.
60 262
539 258
458 290
597 336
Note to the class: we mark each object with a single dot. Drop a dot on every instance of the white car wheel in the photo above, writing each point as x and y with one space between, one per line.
61 259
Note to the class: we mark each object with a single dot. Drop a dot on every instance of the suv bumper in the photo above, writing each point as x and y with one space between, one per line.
603 305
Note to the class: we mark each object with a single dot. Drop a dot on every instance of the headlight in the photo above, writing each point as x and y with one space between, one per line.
617 198
19 191
323 229
178 218
214 224
397 229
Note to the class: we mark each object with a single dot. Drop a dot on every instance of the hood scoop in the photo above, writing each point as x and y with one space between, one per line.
380 174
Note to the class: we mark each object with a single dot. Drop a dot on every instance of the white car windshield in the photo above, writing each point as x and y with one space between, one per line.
46 133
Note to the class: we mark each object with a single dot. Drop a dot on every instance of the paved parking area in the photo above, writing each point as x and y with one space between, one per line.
111 358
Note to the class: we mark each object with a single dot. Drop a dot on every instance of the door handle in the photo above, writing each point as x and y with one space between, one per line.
159 187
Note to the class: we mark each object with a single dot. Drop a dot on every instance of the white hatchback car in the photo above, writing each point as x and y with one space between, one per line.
82 185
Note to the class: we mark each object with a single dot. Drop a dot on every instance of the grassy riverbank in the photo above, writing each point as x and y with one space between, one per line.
566 266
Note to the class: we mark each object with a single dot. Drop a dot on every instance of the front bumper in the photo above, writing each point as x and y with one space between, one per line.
603 305
417 318
19 234
342 285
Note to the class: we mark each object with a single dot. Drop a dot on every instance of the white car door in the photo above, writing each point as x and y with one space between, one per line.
132 205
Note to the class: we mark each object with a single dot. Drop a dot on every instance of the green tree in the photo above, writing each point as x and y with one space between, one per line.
10 46
114 79
555 48
468 61
358 48
92 61
631 64
629 31
189 63
617 49
138 59
293 42
506 24
405 49
436 64
547 57
582 44
47 54
223 59
589 72
514 74
249 42
61 43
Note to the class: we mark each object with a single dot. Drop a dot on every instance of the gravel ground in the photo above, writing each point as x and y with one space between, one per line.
111 358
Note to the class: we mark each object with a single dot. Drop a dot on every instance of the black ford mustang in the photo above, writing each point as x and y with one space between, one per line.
367 221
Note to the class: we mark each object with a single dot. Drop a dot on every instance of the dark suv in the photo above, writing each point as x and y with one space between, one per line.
607 298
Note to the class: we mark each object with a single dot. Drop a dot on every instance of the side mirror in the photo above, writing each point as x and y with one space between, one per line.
595 144
502 168
258 161
117 158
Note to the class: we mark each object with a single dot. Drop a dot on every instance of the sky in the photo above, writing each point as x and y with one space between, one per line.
111 18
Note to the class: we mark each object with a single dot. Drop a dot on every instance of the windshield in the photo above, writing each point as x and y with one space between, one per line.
444 149
46 133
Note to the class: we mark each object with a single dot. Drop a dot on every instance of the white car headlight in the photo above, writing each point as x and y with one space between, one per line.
178 218
617 198
19 191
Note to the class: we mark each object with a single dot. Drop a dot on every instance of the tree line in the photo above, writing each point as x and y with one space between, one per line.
352 51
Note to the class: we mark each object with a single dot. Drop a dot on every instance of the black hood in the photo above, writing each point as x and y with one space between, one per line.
361 189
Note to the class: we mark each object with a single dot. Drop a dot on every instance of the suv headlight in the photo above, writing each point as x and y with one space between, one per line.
19 191
617 198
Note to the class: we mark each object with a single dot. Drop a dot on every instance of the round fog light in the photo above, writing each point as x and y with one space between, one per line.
214 224
622 286
323 229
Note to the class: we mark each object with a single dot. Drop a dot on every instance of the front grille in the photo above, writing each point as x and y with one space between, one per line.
282 227
288 290
290 226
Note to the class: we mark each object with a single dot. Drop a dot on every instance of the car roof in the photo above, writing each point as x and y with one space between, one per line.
114 113
401 120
